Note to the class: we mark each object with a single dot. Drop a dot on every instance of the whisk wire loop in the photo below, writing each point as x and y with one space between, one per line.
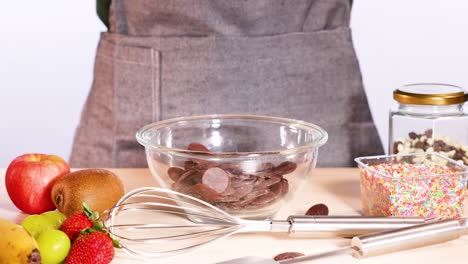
137 220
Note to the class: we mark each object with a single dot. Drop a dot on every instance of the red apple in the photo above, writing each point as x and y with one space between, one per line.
29 179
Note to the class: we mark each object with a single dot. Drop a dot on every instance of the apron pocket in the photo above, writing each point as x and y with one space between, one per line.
137 87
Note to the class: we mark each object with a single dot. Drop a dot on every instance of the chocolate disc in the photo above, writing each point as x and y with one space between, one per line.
190 177
216 178
174 173
227 185
205 193
318 209
285 168
197 147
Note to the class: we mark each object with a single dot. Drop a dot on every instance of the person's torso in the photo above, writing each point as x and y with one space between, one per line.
226 17
170 58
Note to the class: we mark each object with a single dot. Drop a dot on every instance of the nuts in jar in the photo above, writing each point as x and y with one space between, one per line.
425 142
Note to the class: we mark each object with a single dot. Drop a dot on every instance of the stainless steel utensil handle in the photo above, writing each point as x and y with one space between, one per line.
348 226
407 238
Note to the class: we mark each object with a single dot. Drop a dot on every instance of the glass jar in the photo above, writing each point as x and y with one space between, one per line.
430 118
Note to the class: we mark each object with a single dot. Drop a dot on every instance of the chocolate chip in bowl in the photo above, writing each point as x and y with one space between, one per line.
227 186
247 165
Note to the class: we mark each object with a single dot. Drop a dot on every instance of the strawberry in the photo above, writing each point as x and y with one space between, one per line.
73 225
78 222
91 248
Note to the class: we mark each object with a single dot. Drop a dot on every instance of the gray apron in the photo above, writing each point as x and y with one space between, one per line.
170 58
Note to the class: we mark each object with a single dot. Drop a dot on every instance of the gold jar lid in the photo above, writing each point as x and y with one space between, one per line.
430 94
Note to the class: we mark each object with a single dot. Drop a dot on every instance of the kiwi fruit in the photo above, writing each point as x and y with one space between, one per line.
99 188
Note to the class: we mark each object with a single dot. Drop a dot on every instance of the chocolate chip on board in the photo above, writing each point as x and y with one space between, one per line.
318 209
287 255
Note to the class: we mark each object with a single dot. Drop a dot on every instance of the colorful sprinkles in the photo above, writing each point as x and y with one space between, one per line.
412 190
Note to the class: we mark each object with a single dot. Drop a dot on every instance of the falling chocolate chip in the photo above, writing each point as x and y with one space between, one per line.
287 255
318 209
216 178
197 147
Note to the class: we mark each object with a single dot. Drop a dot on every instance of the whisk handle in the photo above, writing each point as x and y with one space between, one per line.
347 226
407 238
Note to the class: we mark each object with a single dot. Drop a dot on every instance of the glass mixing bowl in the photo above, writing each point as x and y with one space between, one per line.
246 165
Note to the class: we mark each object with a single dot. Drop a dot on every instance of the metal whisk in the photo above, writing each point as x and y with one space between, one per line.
154 223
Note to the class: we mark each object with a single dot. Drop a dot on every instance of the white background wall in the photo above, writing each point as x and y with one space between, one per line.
47 53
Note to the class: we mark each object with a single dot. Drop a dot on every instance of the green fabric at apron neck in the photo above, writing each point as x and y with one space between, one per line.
102 8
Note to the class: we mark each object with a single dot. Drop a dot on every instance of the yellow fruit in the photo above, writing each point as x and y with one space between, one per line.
17 245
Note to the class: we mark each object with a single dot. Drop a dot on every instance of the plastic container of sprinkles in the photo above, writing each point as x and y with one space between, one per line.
426 185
